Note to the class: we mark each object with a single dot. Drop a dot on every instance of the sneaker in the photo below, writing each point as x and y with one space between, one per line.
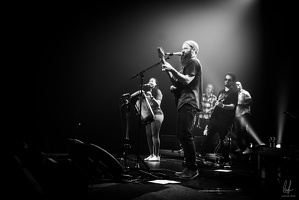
189 174
247 151
154 158
226 165
185 171
150 156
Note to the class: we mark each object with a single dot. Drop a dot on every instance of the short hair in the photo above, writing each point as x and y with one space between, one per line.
209 84
157 82
233 75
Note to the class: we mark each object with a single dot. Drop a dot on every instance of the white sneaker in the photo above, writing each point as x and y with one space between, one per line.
149 157
227 165
154 158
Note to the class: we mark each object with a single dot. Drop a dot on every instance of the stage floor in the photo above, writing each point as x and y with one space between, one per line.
242 180
258 175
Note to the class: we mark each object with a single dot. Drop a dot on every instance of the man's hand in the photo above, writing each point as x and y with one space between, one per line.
148 93
167 67
218 103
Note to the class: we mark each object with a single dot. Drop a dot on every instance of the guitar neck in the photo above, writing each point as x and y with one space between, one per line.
175 89
168 73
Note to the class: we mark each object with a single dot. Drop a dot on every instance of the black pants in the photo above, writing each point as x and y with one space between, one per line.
215 127
185 120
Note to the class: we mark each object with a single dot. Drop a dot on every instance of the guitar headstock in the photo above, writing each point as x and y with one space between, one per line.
161 53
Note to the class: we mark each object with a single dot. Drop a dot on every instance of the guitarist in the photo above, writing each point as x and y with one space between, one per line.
223 116
188 83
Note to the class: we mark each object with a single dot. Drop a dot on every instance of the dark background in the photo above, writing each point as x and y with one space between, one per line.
72 62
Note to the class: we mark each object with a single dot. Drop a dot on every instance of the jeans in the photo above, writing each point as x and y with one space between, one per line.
214 126
185 119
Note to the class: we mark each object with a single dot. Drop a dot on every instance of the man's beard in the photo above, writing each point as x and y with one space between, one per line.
185 59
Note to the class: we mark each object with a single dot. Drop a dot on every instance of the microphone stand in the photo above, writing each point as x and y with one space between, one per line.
126 143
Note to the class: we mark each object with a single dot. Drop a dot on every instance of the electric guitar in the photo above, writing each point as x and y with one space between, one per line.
176 87
221 98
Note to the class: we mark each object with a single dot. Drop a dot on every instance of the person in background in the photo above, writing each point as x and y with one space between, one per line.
222 117
242 120
208 104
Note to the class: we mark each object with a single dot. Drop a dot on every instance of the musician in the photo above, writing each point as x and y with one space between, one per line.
154 96
243 120
188 91
208 104
223 116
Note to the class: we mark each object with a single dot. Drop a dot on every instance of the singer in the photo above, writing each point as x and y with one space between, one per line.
189 102
154 96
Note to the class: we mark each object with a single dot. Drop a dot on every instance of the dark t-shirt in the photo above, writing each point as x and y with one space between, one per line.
224 116
192 93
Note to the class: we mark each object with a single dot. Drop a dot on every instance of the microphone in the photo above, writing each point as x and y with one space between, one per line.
147 84
174 54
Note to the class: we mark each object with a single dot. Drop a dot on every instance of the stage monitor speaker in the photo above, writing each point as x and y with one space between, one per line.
88 154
